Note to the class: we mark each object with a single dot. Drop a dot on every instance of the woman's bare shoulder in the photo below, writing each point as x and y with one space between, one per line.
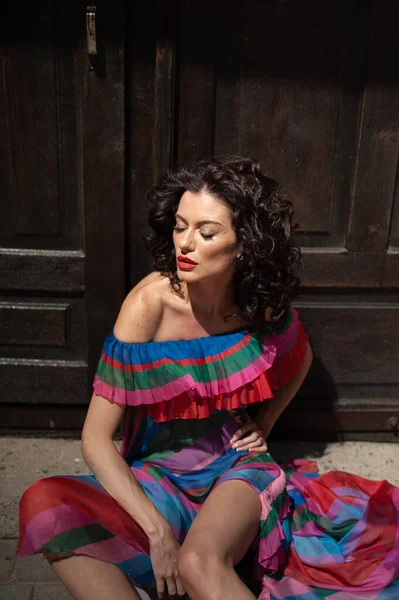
142 310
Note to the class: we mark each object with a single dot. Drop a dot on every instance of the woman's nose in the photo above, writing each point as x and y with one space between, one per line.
186 241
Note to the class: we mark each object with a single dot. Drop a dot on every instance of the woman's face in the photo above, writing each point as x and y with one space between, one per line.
204 239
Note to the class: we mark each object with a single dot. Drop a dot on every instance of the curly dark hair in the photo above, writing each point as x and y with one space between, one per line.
262 219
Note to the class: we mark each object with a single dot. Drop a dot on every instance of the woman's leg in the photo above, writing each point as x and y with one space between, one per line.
218 539
87 578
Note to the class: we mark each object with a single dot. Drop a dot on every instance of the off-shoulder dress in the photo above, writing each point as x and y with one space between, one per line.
320 536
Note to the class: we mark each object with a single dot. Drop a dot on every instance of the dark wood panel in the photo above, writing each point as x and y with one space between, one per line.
61 271
43 382
344 425
374 185
394 232
197 55
63 235
166 26
41 142
342 269
341 424
322 391
46 418
227 81
49 319
32 116
355 341
33 325
391 271
104 176
300 122
141 44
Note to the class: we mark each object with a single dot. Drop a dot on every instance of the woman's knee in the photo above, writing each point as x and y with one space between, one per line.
39 491
197 563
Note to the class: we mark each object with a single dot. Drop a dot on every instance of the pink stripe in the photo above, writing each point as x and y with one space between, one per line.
186 384
166 485
285 341
50 523
388 570
337 504
269 546
355 596
350 492
112 550
210 459
308 529
286 587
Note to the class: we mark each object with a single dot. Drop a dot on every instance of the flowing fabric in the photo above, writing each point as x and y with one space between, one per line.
330 536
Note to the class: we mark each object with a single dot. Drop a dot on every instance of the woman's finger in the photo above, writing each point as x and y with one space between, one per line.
257 445
180 587
172 590
243 429
247 440
160 587
261 448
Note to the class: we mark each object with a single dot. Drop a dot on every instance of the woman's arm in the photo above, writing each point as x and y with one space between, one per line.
137 322
272 409
112 471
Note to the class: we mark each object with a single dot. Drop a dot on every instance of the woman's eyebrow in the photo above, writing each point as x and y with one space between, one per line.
200 223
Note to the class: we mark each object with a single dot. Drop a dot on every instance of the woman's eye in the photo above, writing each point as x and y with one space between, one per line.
177 228
207 236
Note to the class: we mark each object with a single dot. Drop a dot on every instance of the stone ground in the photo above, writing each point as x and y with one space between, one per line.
24 460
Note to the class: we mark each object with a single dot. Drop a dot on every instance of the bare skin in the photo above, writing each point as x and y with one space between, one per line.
229 519
85 577
217 540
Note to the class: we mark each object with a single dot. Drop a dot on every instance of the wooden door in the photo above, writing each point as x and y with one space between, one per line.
306 88
62 230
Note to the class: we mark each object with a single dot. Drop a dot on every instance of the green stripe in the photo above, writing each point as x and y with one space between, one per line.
181 432
153 471
75 538
337 531
261 458
286 325
278 503
270 523
267 525
157 377
323 592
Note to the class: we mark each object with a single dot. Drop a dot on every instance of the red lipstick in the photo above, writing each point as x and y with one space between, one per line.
185 263
186 259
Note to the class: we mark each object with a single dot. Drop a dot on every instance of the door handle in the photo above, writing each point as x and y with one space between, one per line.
91 31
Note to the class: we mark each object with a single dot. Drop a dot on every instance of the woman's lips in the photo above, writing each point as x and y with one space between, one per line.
185 266
186 259
185 263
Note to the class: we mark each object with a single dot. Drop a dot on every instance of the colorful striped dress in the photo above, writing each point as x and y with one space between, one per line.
330 536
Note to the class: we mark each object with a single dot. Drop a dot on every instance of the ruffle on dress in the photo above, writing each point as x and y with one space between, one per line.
190 379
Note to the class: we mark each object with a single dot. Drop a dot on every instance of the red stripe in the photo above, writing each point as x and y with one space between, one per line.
287 365
102 508
373 546
184 362
183 407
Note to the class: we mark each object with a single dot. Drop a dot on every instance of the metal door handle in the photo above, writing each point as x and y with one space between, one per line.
91 31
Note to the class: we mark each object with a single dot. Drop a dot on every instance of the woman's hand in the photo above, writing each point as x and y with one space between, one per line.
163 555
249 437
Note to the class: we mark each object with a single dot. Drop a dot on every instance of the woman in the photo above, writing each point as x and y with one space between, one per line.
205 340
